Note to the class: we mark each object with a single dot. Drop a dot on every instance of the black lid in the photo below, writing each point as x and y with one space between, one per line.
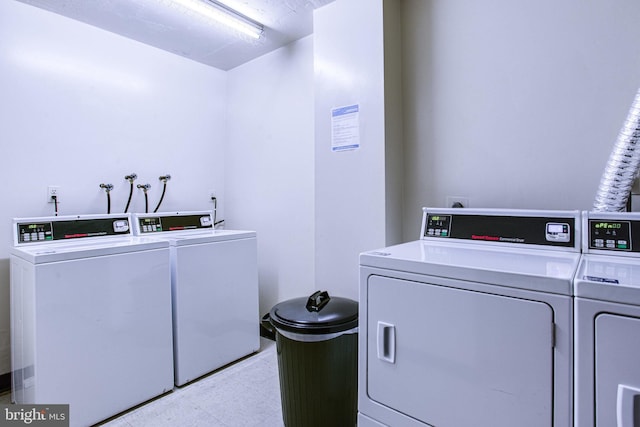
318 314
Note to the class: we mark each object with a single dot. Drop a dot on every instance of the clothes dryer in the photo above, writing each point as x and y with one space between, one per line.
472 324
607 320
90 315
214 287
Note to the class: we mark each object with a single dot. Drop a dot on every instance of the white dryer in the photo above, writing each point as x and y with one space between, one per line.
607 320
90 315
472 324
214 287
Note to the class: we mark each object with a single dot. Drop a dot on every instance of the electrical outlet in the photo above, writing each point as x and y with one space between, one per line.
451 200
212 194
53 190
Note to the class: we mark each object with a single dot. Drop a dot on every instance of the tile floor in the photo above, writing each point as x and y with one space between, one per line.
244 394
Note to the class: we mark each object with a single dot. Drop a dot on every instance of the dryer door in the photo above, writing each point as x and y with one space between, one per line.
451 357
617 370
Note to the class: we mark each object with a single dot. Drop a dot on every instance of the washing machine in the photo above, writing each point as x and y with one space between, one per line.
214 287
607 320
471 325
90 315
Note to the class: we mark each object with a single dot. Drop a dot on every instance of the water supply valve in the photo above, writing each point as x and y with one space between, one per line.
107 187
144 187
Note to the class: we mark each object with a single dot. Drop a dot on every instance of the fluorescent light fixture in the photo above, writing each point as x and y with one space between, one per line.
223 14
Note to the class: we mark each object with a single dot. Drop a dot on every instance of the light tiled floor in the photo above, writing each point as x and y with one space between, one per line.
244 394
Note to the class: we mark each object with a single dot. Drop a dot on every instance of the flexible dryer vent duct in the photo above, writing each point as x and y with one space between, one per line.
623 165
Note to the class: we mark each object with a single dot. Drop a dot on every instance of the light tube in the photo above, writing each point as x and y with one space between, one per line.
217 11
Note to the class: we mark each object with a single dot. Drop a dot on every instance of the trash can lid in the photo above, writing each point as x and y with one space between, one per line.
317 314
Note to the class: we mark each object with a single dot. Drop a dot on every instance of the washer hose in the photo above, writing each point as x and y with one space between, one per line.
164 179
145 188
215 212
108 188
130 178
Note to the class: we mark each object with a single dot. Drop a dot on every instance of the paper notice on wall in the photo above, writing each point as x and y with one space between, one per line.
345 128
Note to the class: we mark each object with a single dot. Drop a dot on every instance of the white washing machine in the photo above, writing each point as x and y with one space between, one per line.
90 315
472 324
214 287
607 320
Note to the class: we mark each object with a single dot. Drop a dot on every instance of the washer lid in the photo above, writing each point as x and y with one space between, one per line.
89 248
209 236
317 314
609 278
513 267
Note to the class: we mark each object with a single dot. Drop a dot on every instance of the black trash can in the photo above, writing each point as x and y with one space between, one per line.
317 345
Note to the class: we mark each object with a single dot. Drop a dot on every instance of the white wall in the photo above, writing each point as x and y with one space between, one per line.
514 104
350 185
80 106
315 210
269 167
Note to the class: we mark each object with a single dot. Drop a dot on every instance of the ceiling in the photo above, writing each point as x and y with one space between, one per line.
160 24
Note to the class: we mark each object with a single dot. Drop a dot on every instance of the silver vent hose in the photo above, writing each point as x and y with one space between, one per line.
623 165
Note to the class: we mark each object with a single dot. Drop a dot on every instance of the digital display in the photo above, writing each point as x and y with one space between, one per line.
608 225
610 235
556 228
558 232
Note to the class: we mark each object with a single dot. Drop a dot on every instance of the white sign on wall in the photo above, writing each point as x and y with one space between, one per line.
345 128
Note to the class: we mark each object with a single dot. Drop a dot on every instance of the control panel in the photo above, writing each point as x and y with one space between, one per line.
610 235
548 228
67 228
35 232
178 222
438 225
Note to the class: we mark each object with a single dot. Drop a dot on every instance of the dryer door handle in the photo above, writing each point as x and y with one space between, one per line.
628 407
386 342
